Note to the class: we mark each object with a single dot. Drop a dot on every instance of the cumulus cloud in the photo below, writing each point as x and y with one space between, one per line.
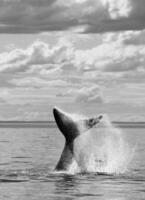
57 15
89 95
119 54
62 73
39 56
63 60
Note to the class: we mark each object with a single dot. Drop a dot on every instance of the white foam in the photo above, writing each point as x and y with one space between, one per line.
102 150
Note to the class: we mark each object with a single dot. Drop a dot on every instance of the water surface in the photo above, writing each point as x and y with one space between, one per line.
29 155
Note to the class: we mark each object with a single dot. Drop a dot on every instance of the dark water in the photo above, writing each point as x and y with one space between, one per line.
29 155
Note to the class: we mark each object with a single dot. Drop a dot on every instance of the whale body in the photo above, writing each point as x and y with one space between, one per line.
71 129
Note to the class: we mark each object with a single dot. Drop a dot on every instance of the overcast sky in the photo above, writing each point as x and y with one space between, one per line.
81 55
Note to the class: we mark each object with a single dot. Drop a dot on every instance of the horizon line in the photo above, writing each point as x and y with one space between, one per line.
52 121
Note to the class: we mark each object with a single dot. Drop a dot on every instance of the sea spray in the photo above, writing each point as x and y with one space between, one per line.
116 149
102 149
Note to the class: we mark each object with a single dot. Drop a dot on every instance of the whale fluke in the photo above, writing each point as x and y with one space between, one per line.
66 124
71 128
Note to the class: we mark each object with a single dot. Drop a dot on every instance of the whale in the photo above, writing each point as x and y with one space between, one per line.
71 128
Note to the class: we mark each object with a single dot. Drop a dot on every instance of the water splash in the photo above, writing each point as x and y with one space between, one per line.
103 150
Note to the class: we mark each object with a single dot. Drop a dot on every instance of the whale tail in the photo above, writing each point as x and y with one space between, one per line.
69 127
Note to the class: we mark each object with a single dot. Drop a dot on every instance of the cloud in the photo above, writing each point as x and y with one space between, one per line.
117 55
29 115
33 17
38 82
63 61
61 74
134 38
39 56
123 15
91 16
89 95
69 74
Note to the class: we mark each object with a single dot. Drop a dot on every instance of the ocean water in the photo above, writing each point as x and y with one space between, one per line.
28 157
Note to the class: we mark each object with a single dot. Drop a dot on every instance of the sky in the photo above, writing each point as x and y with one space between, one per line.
84 56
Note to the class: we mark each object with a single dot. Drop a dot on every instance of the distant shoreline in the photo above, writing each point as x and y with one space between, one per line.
51 124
